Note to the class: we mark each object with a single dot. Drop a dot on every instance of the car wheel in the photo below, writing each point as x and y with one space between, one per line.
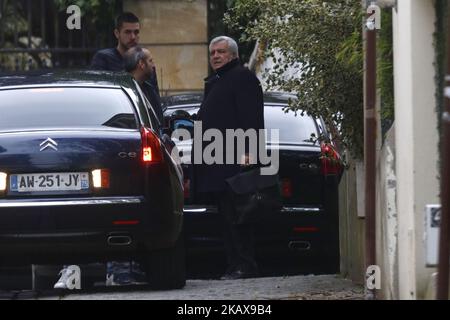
166 269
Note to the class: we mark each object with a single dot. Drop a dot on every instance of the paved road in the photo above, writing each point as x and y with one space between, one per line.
303 287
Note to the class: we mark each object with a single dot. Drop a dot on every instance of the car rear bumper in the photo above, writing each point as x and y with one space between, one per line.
300 229
84 229
69 202
287 209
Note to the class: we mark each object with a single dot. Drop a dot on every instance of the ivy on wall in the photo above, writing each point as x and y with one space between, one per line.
217 27
385 71
322 42
441 7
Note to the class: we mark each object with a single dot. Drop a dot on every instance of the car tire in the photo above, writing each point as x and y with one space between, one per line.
166 268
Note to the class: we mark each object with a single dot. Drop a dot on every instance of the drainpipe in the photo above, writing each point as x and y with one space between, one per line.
370 131
443 266
370 126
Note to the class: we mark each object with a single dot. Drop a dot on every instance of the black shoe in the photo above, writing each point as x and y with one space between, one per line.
238 274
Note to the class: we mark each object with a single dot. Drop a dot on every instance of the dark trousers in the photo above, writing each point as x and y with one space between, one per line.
238 238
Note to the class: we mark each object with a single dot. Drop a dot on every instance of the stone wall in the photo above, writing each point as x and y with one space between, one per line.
351 226
176 32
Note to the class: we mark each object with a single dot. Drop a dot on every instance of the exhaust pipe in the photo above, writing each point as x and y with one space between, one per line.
119 240
299 245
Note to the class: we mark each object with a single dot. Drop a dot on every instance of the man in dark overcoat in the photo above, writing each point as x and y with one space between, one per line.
233 99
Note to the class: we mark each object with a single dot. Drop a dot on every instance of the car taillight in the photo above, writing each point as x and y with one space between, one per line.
286 188
331 161
151 147
3 181
187 188
100 178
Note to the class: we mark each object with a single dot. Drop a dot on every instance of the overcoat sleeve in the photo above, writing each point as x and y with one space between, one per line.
249 103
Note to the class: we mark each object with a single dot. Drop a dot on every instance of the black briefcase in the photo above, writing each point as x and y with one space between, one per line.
256 197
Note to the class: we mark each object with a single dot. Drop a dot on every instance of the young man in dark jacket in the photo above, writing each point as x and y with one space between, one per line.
112 59
127 34
233 100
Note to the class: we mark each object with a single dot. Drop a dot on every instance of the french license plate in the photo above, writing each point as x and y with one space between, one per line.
45 182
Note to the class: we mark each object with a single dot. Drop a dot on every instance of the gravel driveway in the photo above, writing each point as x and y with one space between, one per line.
303 287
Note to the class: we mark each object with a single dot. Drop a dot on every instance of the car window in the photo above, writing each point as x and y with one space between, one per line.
65 107
293 129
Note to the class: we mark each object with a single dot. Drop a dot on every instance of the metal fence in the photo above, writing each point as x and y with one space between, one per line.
34 35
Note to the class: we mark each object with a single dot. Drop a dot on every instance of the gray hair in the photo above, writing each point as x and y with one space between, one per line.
232 45
132 58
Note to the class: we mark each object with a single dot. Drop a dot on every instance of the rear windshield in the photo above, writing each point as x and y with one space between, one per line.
293 129
65 108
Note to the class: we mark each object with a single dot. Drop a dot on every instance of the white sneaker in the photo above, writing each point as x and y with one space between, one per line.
110 280
65 273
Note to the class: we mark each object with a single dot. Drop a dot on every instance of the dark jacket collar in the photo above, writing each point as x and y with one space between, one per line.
117 53
224 69
230 65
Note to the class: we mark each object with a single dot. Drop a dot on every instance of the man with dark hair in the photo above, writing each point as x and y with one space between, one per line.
112 59
139 63
127 34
